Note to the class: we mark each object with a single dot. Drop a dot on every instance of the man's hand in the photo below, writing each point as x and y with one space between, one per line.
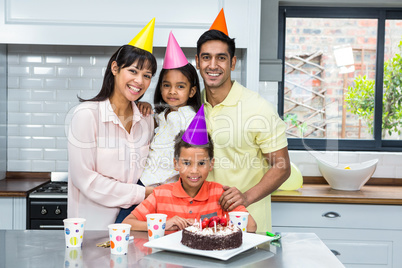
232 198
145 108
272 179
177 223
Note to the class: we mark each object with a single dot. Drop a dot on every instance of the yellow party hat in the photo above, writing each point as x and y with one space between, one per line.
144 39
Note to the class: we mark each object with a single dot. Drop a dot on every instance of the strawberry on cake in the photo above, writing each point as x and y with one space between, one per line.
213 234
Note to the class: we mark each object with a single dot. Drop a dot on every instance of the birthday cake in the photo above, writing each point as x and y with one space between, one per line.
215 236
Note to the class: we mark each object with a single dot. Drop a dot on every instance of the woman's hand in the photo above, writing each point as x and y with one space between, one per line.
145 108
148 190
176 223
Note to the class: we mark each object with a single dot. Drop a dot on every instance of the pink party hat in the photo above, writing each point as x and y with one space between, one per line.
196 133
174 56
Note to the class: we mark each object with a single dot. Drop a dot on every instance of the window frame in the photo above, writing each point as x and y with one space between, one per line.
381 14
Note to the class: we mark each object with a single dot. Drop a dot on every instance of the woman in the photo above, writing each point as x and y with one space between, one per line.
109 141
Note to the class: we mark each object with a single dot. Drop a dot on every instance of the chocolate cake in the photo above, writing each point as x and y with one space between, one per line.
228 237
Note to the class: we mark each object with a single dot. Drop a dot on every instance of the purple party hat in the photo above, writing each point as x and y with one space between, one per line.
196 133
174 56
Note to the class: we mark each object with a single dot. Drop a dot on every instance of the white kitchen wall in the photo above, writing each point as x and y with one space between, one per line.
43 84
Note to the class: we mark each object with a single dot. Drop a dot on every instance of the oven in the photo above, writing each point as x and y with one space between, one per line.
47 205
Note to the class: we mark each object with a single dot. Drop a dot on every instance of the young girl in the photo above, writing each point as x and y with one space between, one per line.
177 98
108 135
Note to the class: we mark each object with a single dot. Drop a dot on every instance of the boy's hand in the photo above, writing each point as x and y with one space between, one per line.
177 223
145 108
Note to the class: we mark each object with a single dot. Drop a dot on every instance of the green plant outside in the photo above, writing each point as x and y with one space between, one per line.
360 97
292 119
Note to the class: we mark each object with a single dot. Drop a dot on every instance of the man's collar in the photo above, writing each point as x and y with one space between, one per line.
231 99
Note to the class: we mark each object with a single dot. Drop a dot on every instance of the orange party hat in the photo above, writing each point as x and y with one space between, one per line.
220 23
144 39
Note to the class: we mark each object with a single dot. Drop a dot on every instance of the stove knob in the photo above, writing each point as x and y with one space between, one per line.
43 211
57 211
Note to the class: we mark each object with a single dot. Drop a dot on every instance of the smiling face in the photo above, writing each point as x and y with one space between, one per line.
215 64
130 82
175 89
193 165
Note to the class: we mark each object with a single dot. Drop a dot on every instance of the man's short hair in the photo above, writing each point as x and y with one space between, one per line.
217 35
180 143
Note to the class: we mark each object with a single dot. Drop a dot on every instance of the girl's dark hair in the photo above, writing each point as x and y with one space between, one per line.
180 143
191 74
125 56
217 35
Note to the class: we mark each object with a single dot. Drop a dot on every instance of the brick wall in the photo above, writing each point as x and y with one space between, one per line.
306 36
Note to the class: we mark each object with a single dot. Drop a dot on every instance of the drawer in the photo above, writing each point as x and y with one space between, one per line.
47 224
48 209
337 215
356 248
362 252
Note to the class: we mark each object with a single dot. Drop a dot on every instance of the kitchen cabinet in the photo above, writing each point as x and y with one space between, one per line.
13 213
14 192
3 111
359 235
110 23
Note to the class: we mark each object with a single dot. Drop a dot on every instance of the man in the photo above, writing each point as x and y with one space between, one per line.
247 131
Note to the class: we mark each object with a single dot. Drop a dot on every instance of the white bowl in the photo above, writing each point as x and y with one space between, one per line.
349 179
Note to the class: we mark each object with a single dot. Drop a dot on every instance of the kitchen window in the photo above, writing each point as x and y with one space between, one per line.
342 78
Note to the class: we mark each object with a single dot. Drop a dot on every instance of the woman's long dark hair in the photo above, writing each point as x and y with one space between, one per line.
125 56
191 74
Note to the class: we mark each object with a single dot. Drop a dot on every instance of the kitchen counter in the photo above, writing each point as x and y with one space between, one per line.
46 248
20 184
322 193
20 187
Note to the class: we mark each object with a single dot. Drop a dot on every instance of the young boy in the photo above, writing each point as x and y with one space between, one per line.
191 198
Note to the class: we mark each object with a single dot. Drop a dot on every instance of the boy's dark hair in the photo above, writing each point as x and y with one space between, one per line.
217 35
191 74
125 56
180 143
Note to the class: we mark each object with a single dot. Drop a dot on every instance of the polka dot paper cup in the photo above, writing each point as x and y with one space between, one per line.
239 219
74 231
119 235
156 225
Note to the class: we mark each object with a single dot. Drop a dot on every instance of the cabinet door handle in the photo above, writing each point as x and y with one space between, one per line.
331 214
336 253
60 227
